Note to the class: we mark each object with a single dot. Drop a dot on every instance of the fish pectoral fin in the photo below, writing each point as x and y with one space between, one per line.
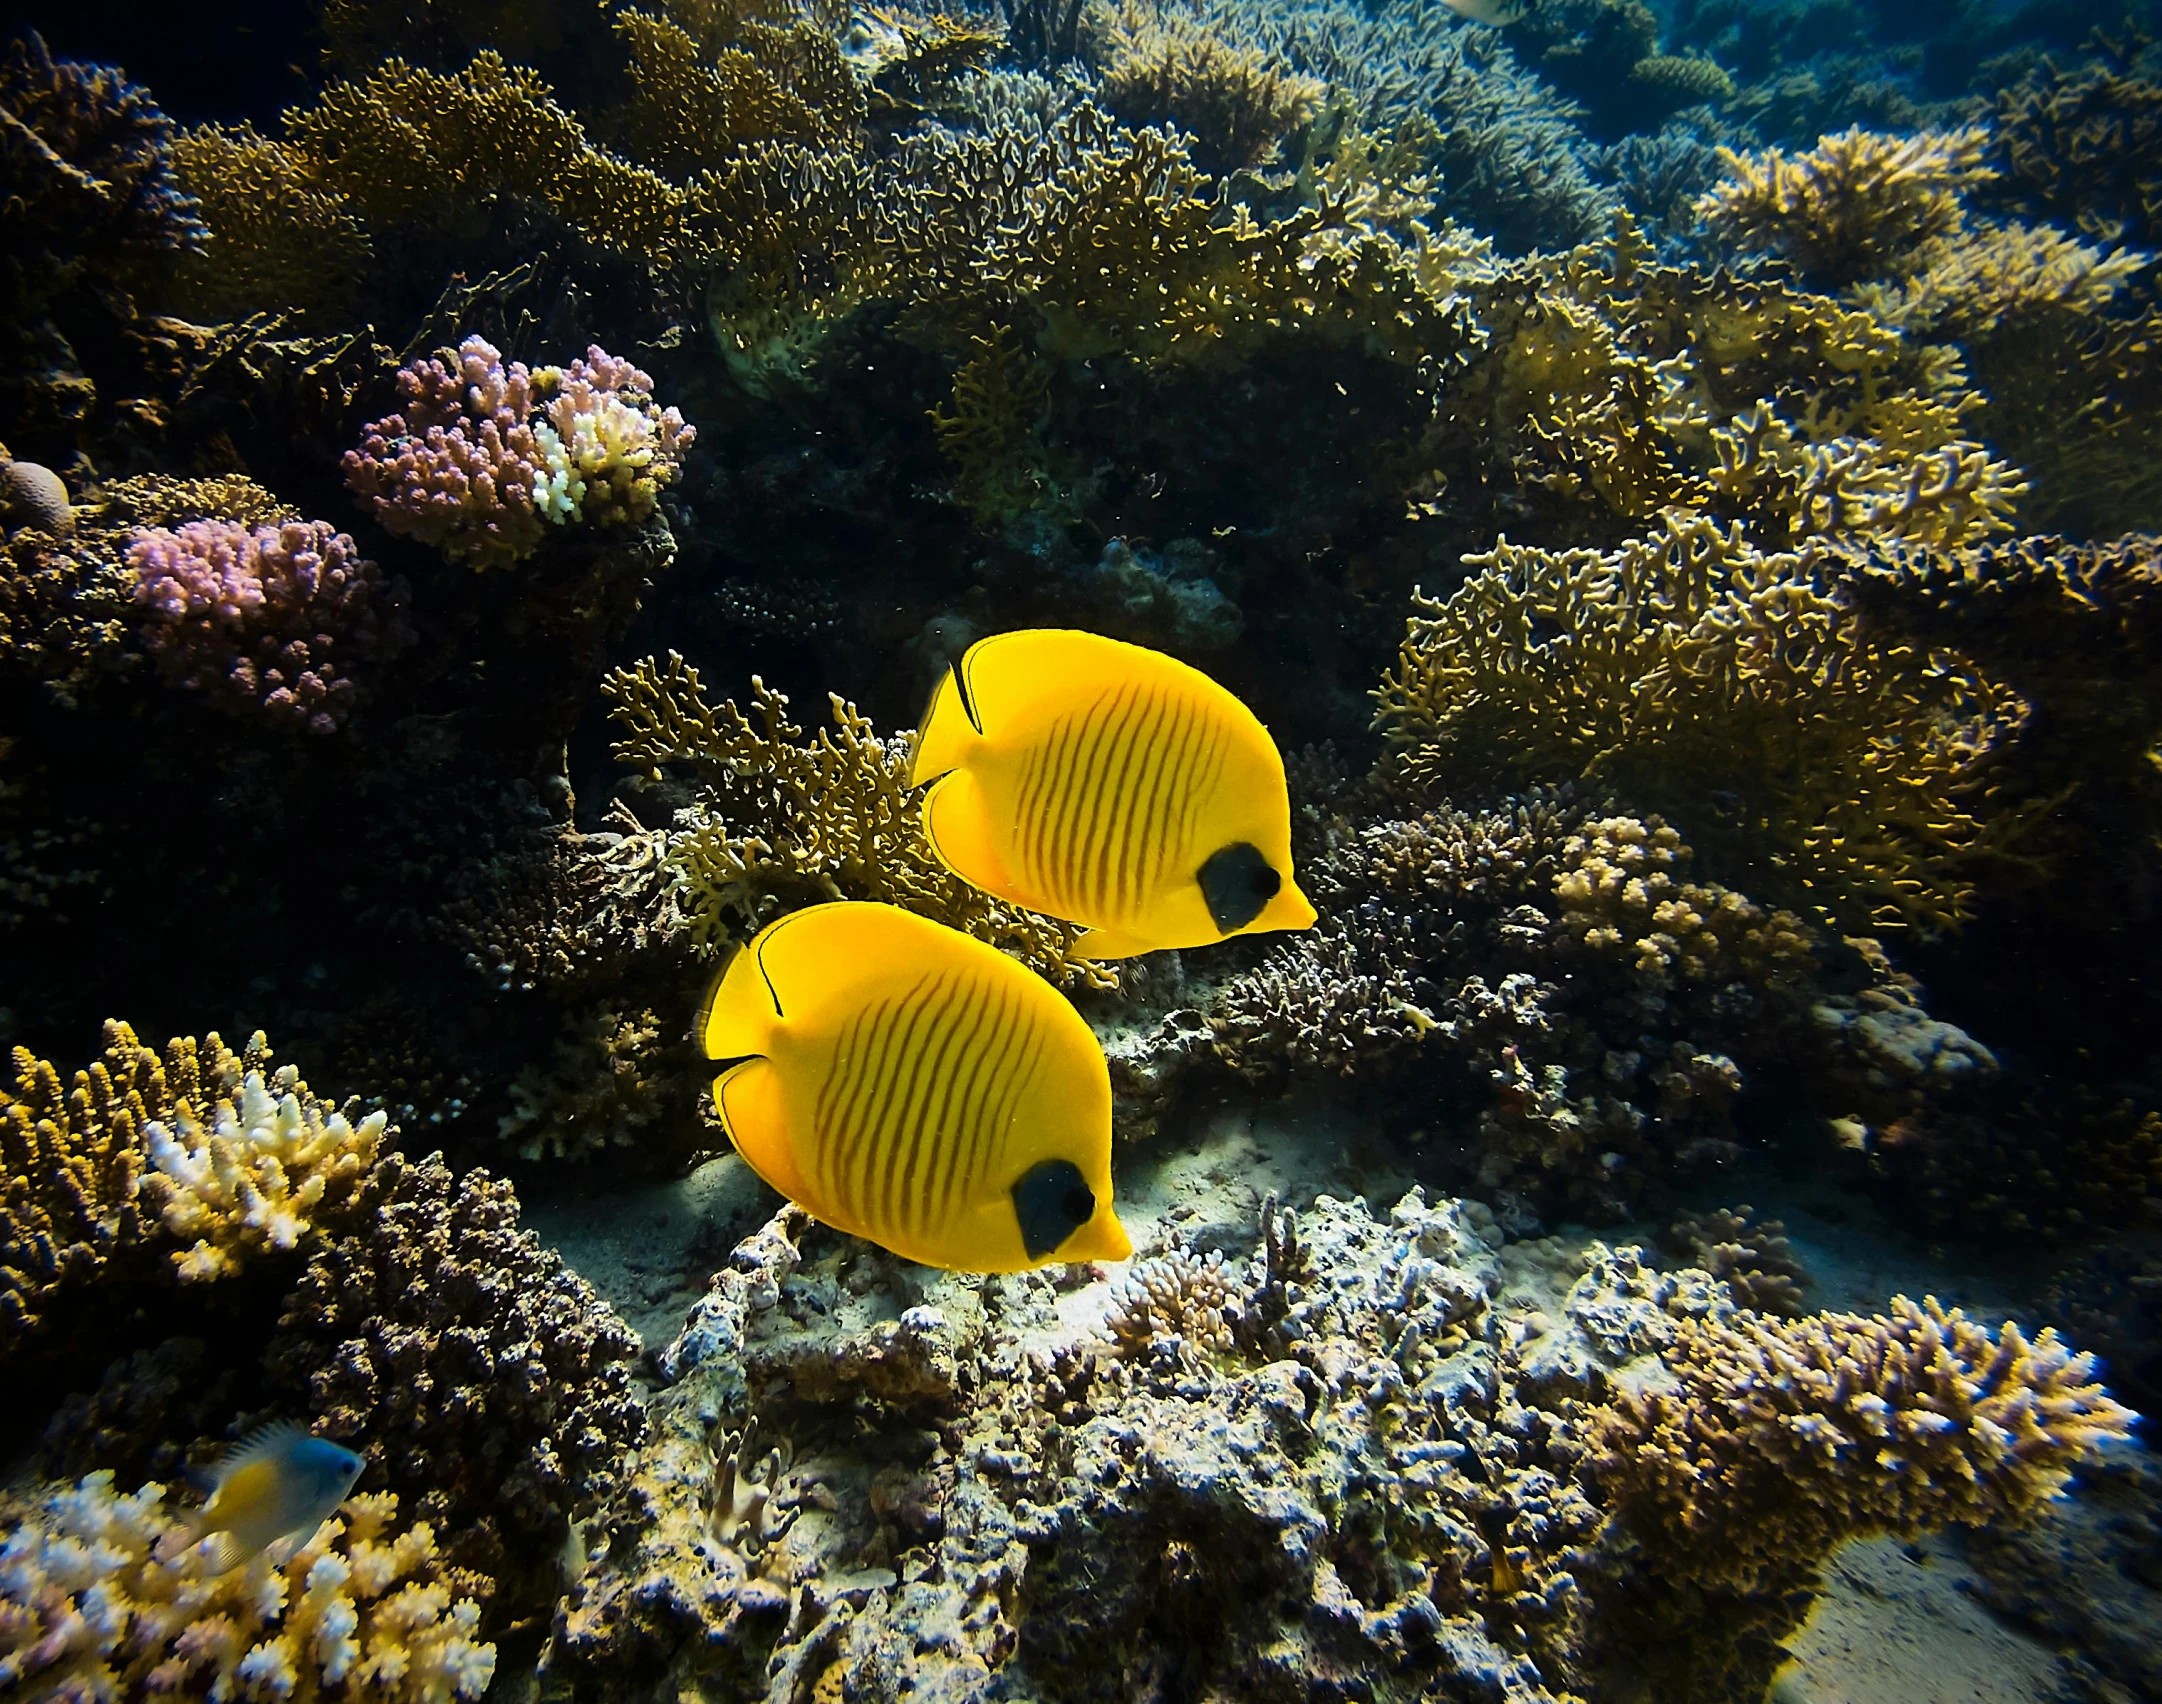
224 1552
748 1097
958 826
1108 944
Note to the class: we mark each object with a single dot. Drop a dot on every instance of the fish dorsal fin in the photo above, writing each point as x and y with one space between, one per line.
268 1439
995 680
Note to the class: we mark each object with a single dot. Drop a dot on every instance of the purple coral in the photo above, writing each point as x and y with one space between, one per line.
457 465
474 464
266 620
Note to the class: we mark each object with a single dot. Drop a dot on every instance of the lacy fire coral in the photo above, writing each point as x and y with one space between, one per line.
268 620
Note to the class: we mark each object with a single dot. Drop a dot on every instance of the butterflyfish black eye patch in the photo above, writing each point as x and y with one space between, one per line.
1052 1201
1237 882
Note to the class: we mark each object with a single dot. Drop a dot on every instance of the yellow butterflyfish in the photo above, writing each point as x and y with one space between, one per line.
907 1084
1109 785
279 1483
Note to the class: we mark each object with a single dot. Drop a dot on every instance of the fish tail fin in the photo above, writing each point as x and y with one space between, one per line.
748 1098
948 730
737 1026
735 1019
961 834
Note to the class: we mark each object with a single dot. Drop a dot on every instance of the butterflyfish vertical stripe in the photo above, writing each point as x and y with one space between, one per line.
1026 1062
923 1122
931 1174
829 1092
984 1092
1190 791
902 1109
1133 809
857 1123
1095 801
1185 729
1043 830
1024 811
848 1119
1067 823
873 1133
1113 813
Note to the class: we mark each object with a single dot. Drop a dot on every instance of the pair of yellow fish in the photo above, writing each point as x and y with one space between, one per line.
912 1086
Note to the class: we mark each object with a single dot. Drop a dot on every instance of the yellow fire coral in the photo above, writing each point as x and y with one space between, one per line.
1850 207
218 1152
1784 1438
1164 64
103 1596
783 823
1727 688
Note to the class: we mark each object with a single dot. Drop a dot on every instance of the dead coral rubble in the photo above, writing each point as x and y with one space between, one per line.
1364 1451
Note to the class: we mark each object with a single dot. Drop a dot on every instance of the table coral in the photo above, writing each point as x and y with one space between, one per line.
483 1381
269 621
103 1596
1688 665
199 1160
483 455
780 823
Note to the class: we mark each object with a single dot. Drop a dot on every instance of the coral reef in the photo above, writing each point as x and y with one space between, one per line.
106 1597
777 823
1723 686
484 1383
267 622
1753 1259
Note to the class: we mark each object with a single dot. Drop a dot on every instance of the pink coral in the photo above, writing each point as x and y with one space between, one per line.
266 620
457 466
469 466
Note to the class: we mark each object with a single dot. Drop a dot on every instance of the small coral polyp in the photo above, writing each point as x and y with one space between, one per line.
478 464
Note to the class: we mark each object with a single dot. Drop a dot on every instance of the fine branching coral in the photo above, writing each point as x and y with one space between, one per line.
194 1161
781 822
1729 688
103 1595
1853 206
1164 64
1752 1257
1835 1426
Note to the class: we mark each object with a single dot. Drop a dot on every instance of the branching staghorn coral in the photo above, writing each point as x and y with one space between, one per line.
196 1161
1835 1426
1752 1258
1855 205
782 823
2085 145
103 1595
1723 686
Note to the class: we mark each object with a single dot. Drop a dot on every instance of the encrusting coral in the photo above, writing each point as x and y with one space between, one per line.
196 1161
484 1382
103 1595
